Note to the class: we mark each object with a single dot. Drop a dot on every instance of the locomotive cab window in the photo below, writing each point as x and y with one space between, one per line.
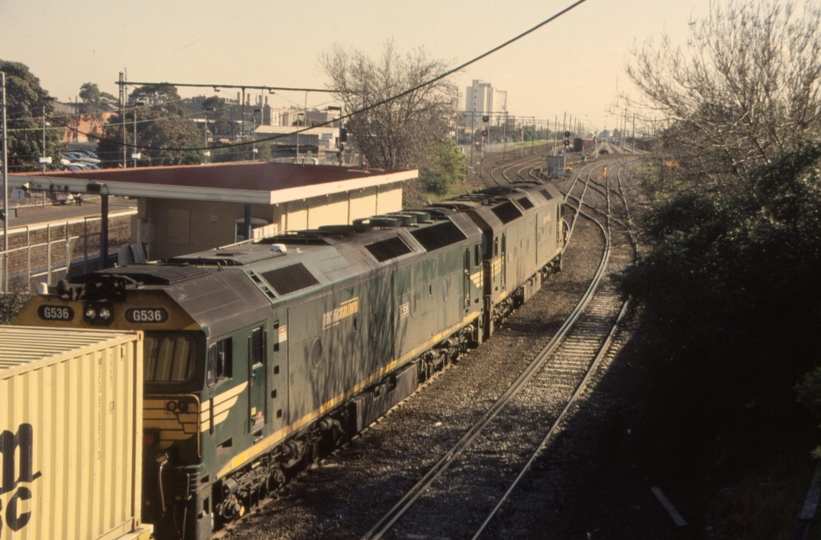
168 358
220 361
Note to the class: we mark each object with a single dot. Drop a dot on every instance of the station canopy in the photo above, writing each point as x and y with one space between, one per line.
244 183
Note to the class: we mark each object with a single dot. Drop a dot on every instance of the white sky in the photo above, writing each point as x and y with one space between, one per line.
574 65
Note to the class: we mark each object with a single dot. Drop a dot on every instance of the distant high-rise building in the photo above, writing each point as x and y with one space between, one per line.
481 99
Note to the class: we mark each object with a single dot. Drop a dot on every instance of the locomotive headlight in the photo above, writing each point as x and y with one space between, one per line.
183 407
171 406
101 313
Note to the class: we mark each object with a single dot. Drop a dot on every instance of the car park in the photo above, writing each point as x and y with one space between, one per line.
86 156
79 157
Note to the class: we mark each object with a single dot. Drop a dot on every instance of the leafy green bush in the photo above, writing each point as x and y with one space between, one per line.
448 169
730 286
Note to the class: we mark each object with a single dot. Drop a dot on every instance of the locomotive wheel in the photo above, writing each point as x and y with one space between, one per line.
276 480
312 453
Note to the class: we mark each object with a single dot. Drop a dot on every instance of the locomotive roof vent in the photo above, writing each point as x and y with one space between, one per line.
408 219
279 248
381 221
421 217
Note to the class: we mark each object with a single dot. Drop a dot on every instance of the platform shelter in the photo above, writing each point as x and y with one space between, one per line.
184 209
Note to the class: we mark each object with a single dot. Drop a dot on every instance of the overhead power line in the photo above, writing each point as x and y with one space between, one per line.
443 75
218 86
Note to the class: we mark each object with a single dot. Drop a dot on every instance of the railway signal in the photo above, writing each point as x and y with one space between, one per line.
484 133
485 119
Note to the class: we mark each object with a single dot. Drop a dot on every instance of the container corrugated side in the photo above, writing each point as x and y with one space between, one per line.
70 425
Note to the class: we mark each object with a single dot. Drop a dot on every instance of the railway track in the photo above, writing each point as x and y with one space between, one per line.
341 495
491 453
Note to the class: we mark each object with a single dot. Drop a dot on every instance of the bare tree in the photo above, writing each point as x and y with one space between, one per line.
745 88
392 133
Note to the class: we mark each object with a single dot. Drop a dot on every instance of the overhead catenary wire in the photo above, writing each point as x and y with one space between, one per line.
351 114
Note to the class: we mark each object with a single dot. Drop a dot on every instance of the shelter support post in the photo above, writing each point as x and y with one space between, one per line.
103 231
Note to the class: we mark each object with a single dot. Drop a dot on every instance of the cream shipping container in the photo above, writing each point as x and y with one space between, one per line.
70 434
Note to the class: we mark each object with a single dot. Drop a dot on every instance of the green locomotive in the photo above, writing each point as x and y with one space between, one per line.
259 353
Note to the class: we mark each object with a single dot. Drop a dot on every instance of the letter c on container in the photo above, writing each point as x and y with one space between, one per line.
15 521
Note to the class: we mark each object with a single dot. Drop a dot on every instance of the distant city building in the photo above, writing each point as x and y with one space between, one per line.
481 99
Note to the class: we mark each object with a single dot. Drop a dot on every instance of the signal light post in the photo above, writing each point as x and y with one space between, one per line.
485 120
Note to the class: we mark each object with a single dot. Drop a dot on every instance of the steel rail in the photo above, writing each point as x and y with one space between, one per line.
603 350
577 210
408 500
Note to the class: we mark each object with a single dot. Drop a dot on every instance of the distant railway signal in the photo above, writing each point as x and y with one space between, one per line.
484 133
567 134
485 119
567 143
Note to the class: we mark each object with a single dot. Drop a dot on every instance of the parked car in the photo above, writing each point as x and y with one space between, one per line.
75 166
86 156
78 157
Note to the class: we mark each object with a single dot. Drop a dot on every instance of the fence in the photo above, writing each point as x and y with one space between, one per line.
46 253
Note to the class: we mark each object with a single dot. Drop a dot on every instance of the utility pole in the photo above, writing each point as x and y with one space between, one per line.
122 117
5 188
564 128
504 133
43 161
254 149
134 154
624 130
472 135
242 114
